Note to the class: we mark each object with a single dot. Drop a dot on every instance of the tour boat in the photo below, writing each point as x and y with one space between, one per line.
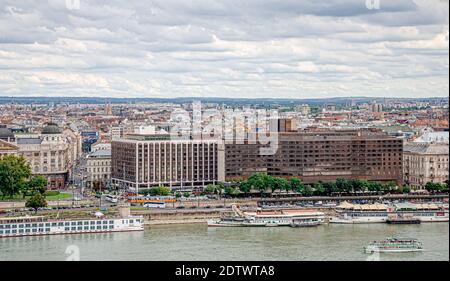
394 245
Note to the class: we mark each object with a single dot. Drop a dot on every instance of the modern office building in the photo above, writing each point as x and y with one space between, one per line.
319 156
145 161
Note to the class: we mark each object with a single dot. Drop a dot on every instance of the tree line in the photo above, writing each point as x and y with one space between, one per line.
264 183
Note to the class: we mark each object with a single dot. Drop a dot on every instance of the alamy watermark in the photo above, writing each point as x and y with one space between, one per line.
240 126
73 4
73 253
373 4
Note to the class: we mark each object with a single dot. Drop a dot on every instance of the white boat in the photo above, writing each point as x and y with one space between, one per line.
40 225
394 245
36 226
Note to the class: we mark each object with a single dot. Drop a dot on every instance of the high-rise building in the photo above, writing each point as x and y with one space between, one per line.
145 161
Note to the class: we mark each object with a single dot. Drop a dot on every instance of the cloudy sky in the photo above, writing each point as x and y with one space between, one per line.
224 48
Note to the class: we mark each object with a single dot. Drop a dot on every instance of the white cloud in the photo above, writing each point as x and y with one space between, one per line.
227 48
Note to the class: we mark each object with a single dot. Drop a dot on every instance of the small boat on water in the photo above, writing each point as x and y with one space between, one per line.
394 245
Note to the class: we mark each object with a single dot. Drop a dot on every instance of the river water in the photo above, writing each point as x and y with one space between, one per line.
198 242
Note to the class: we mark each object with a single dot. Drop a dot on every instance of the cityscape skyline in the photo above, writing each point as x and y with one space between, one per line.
251 49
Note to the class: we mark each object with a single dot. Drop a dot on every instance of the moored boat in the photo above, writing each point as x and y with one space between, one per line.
41 225
272 218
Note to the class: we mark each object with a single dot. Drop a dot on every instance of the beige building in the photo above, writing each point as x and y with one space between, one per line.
50 153
98 168
7 148
425 162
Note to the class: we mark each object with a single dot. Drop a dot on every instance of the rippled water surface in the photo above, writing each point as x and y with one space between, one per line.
198 242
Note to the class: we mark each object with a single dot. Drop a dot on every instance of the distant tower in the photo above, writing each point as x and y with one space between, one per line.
108 109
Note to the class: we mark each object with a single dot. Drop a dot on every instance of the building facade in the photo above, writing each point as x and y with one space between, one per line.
425 162
50 153
150 161
319 156
98 168
7 148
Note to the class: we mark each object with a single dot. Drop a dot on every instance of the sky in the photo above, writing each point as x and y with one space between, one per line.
224 48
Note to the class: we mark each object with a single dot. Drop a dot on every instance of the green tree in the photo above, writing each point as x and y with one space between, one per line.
230 191
209 189
34 185
279 184
318 188
14 171
244 186
308 191
330 187
343 185
374 187
364 185
296 185
260 182
36 201
357 185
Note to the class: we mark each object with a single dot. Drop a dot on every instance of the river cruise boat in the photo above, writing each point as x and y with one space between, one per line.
394 245
270 218
40 225
347 213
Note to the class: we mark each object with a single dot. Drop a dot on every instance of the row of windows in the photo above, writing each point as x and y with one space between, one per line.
43 230
54 224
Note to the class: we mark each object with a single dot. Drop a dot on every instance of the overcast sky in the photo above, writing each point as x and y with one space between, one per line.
224 48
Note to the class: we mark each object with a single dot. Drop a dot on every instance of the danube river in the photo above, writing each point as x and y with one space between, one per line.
198 242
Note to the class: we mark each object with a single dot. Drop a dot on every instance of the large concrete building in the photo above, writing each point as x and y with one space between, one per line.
319 156
145 161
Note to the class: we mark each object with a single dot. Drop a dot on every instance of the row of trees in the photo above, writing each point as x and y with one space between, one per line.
436 187
265 183
158 191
